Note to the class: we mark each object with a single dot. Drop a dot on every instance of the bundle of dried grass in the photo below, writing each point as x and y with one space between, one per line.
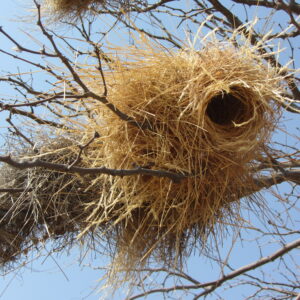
42 204
210 113
72 9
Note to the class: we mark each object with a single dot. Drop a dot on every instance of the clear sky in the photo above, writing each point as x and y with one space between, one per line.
62 277
42 279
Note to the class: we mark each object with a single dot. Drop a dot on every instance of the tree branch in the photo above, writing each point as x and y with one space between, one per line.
213 285
91 171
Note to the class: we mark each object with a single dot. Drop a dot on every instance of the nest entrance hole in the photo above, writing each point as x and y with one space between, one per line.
226 109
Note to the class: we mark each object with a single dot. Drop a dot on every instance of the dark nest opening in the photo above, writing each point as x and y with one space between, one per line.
226 109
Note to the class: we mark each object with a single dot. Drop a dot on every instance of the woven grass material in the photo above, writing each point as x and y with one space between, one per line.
211 114
73 9
51 205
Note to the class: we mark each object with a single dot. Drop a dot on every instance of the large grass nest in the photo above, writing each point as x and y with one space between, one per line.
206 115
210 114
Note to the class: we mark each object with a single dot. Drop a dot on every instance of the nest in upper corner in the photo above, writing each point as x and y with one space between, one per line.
72 9
210 114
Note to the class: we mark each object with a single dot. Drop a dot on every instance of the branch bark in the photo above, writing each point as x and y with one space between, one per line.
90 171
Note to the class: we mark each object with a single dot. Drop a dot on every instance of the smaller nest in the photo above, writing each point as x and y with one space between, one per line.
73 9
52 205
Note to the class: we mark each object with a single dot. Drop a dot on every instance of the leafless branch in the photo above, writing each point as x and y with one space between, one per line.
212 285
25 164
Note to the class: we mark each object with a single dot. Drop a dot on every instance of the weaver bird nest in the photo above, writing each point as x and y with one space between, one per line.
73 9
205 116
49 204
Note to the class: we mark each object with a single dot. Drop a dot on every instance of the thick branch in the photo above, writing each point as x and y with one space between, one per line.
268 181
278 5
90 171
12 190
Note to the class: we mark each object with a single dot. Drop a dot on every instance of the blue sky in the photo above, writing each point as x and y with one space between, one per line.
42 279
62 277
